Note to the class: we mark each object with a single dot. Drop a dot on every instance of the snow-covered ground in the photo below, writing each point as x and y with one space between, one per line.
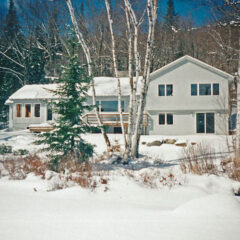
197 207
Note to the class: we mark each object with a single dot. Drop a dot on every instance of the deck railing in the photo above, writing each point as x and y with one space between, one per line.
111 119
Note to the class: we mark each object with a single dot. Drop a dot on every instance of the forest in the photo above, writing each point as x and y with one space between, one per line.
34 39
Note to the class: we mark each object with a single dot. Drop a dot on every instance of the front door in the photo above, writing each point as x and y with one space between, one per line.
205 123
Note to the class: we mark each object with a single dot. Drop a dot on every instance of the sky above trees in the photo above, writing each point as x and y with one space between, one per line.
197 12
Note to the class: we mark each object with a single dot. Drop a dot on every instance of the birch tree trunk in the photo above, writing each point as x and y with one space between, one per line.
110 20
130 74
152 17
130 14
90 72
238 107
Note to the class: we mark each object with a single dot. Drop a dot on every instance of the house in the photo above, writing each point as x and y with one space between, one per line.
184 97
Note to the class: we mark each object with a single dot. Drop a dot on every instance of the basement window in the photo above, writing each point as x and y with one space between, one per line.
19 110
28 110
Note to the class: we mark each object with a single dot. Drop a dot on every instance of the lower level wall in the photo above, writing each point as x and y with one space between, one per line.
184 123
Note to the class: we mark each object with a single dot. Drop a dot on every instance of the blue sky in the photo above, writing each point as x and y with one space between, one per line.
186 8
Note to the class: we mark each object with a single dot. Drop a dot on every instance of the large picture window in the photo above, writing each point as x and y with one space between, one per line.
28 110
37 110
205 89
19 110
109 106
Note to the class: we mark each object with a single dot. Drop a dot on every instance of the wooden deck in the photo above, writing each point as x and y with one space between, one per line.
38 129
111 119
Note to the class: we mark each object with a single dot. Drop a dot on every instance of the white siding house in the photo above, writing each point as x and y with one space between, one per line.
185 97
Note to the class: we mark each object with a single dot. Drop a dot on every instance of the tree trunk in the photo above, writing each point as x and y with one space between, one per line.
238 108
152 16
90 72
110 20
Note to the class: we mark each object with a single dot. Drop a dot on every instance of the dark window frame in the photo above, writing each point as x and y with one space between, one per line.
161 115
28 110
37 110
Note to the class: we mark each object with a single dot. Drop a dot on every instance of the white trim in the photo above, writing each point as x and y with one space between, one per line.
196 61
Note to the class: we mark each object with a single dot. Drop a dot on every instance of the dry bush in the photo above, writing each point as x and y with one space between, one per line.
199 159
154 179
33 164
114 151
13 168
231 167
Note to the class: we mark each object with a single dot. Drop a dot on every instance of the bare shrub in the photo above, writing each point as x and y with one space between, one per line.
154 179
202 159
33 164
199 159
13 167
115 150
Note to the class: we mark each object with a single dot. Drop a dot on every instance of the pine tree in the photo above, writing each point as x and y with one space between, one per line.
65 141
171 17
35 64
12 39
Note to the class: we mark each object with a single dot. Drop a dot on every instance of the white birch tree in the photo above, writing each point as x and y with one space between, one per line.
110 20
90 71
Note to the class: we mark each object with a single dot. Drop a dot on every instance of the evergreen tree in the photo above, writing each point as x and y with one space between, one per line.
12 73
171 17
65 141
35 64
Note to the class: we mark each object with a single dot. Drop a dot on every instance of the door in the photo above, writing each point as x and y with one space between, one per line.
205 123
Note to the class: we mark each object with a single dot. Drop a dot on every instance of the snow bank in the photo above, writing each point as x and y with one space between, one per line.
126 211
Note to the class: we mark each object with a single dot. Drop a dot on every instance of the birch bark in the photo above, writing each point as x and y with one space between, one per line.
110 20
90 72
152 17
238 107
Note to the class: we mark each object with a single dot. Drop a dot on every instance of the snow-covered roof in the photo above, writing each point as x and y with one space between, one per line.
107 86
195 61
104 86
34 91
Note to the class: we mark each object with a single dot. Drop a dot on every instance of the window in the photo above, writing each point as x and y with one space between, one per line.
49 113
204 89
169 90
165 90
37 110
161 90
216 89
161 119
109 106
165 118
169 119
19 110
28 110
194 90
205 123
